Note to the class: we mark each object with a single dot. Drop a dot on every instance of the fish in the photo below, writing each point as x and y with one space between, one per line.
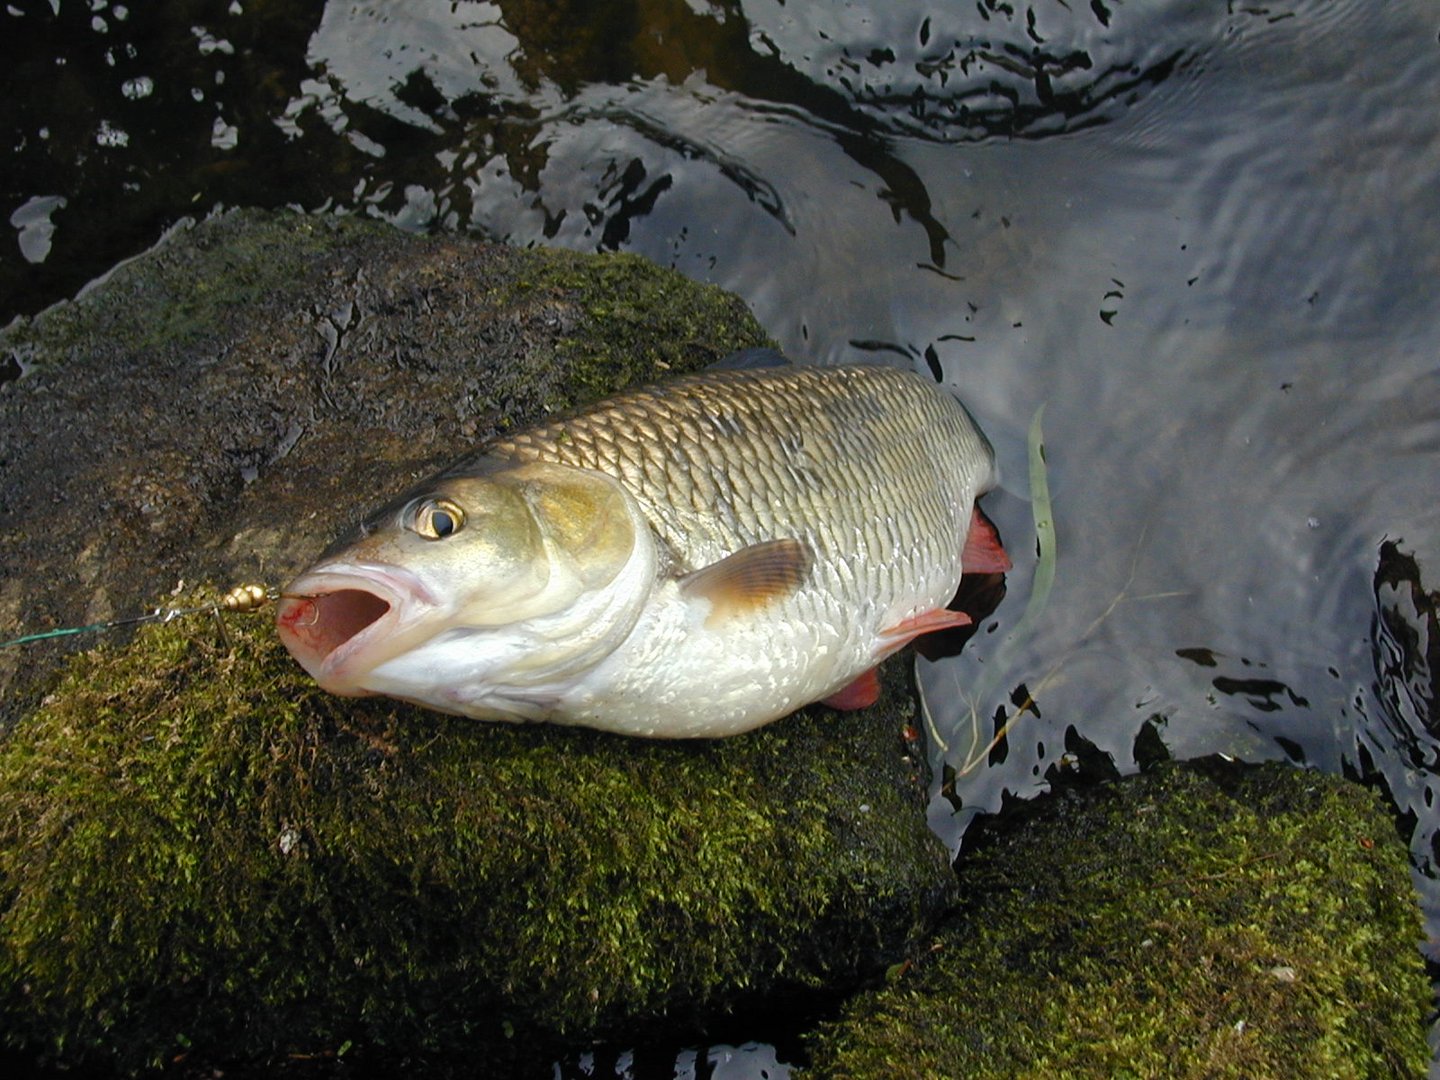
691 559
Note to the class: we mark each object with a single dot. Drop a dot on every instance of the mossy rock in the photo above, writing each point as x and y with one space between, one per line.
222 406
201 853
1221 922
200 850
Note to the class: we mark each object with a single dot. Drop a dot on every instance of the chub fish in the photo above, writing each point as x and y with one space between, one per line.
695 558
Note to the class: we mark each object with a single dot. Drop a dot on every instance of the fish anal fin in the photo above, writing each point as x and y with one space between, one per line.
983 552
896 637
863 692
751 578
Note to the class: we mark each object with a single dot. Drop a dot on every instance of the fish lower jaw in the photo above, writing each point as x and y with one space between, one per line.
474 674
340 626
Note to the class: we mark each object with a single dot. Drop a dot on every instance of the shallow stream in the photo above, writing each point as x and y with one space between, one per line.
1205 237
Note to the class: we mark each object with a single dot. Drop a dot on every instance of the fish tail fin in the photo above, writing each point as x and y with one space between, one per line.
983 553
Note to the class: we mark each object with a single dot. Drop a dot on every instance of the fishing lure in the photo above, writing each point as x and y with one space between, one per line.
241 600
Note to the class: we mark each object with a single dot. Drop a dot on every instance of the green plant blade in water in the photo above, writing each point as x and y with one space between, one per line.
1041 585
1044 526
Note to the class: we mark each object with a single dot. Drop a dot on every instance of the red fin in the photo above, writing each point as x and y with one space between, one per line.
860 694
750 578
897 637
983 553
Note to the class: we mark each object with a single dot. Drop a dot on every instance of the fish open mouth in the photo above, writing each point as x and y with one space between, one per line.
324 623
334 623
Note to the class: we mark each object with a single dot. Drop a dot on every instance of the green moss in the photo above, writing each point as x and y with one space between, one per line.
196 284
236 396
637 323
1255 923
197 848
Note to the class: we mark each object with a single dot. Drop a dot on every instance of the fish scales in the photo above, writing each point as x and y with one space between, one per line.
868 464
692 559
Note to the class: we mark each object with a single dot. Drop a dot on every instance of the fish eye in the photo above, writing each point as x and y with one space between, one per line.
435 519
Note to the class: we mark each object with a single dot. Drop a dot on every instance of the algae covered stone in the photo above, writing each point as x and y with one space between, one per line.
221 407
1226 922
199 850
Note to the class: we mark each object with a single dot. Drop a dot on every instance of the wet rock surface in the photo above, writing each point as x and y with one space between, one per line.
205 862
204 859
204 855
1213 920
220 408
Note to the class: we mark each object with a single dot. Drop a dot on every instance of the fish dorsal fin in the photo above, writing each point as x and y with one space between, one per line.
750 360
750 578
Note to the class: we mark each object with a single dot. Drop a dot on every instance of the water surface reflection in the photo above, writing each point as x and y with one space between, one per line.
1203 236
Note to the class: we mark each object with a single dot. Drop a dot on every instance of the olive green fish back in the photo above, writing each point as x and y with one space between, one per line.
875 467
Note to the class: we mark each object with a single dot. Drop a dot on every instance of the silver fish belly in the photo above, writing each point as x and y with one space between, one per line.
691 559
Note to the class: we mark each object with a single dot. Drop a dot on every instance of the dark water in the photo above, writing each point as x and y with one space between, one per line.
1204 236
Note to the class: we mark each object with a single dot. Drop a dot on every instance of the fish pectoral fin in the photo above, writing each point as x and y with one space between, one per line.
983 553
895 638
860 694
750 578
